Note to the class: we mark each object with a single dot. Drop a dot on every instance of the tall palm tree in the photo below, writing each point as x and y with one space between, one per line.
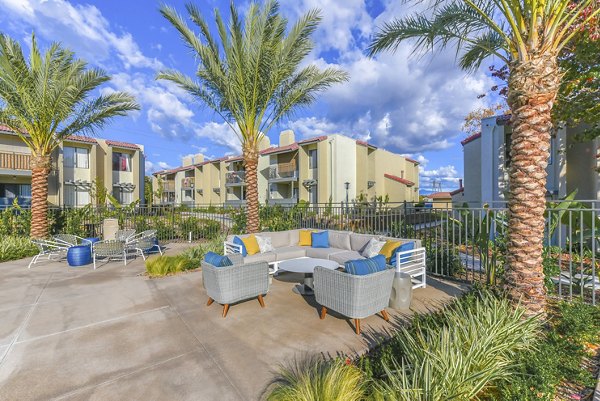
46 99
250 75
529 36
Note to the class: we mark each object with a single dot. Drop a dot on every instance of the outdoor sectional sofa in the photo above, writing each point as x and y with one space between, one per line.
343 246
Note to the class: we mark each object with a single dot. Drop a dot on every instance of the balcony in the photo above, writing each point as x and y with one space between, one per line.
283 201
235 178
235 203
169 186
283 172
15 161
187 183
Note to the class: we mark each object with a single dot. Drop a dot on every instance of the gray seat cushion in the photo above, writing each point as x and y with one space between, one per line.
343 257
290 252
261 257
322 253
359 241
339 239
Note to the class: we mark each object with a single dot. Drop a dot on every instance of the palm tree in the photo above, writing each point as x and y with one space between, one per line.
46 99
250 75
529 36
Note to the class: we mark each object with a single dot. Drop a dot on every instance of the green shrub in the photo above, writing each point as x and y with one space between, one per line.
164 228
456 354
157 266
13 248
200 228
15 220
197 253
313 379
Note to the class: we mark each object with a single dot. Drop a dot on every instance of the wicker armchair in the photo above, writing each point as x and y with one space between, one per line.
356 297
230 284
109 249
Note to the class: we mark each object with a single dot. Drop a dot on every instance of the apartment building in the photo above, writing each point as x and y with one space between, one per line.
78 165
316 170
572 165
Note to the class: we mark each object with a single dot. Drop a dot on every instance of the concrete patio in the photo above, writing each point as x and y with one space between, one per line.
112 334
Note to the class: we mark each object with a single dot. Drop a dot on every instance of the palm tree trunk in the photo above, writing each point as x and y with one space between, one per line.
40 168
532 86
251 166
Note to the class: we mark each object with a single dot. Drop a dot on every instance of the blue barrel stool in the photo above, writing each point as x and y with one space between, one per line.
91 241
79 255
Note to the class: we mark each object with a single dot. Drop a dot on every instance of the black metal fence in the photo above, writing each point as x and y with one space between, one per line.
467 243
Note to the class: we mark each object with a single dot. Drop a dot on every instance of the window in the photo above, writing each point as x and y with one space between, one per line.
123 196
121 161
312 159
76 196
76 157
21 191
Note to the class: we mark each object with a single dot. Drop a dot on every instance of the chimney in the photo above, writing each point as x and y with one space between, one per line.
286 137
460 184
198 158
187 161
264 143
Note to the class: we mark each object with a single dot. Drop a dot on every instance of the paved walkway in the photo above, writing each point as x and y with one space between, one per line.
111 334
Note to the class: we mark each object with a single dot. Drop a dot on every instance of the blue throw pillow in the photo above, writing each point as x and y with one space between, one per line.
362 267
407 246
217 260
238 241
320 239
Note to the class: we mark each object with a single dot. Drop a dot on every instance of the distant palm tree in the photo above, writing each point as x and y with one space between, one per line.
250 75
529 36
44 100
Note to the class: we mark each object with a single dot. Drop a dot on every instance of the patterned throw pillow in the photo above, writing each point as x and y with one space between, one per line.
362 267
264 243
372 248
217 260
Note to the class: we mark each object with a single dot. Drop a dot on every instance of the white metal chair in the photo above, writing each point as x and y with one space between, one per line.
71 239
109 249
49 248
143 246
412 262
124 235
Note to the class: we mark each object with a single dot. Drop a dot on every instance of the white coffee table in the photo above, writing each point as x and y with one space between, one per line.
307 266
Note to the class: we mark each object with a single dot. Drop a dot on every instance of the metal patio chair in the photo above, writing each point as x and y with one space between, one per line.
109 249
143 246
49 248
71 239
124 235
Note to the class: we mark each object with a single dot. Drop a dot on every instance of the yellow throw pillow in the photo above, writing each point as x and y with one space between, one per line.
305 238
388 248
251 244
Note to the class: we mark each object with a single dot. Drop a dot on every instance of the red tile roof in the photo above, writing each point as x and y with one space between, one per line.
412 161
470 139
280 149
314 139
365 143
120 144
457 191
81 138
235 158
400 180
438 195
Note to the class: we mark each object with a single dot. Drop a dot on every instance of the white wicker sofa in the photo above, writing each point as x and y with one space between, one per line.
343 246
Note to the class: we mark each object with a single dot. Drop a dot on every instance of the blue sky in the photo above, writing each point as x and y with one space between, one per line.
406 104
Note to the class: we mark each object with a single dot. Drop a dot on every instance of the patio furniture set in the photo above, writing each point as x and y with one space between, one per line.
83 251
363 288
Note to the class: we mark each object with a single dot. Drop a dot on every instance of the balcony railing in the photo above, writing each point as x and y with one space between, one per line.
283 201
187 183
283 172
15 161
233 178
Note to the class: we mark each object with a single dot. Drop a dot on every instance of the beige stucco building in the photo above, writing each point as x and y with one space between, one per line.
327 168
572 165
79 164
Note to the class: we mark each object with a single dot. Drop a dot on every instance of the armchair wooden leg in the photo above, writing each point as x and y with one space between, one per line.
261 301
385 315
225 309
323 312
357 325
210 301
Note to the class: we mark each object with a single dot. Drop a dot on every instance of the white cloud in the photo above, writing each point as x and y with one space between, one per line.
152 167
82 27
220 134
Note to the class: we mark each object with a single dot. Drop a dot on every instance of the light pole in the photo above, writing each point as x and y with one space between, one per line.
347 186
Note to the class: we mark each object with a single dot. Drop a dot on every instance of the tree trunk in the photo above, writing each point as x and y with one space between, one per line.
251 166
40 168
532 88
